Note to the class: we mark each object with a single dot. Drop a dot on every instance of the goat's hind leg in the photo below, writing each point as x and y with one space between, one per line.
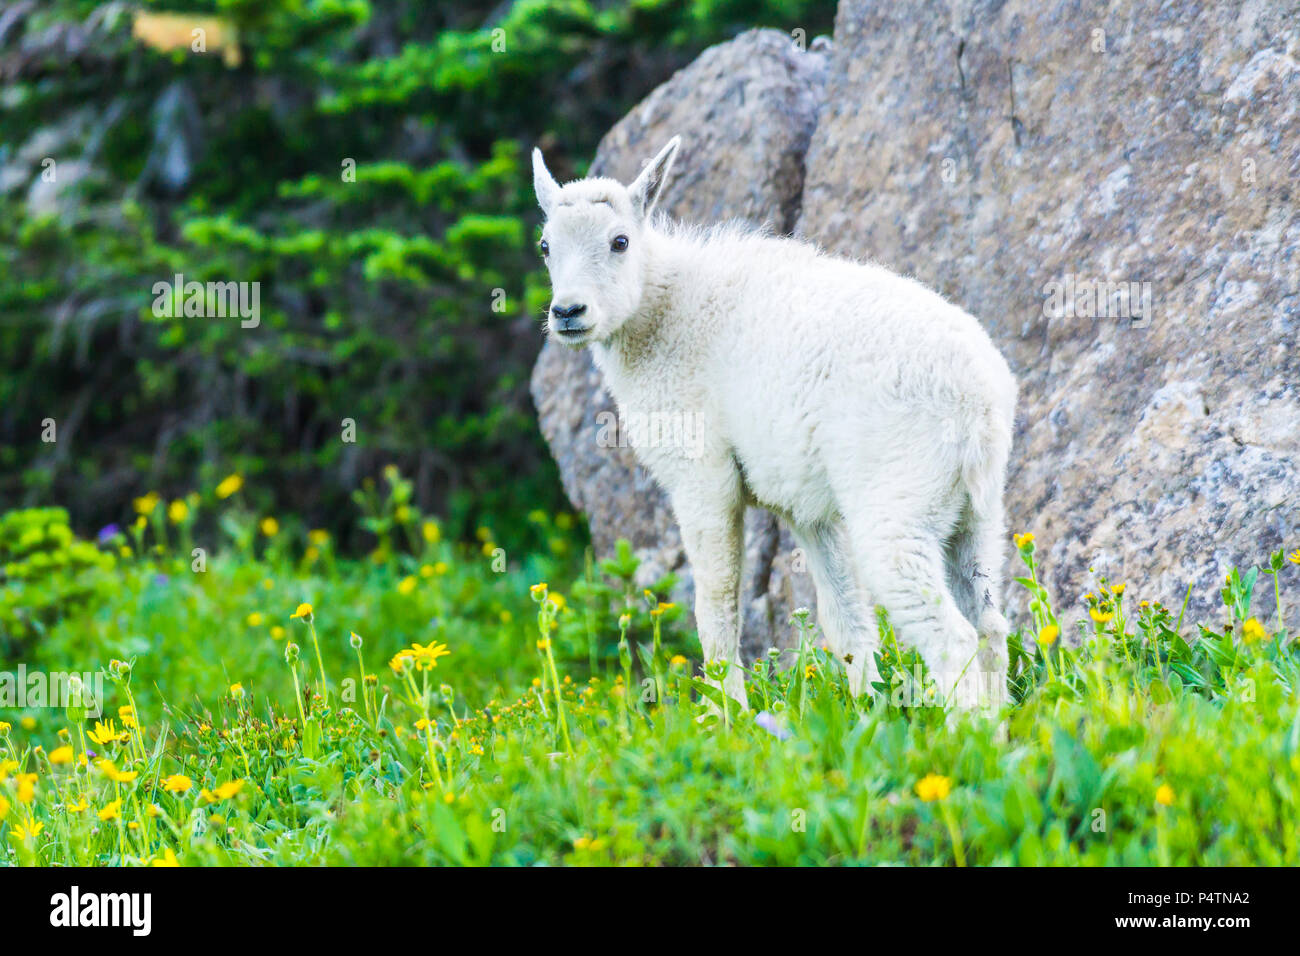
973 558
842 609
902 563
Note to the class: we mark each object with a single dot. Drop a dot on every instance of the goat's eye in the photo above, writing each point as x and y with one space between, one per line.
546 249
619 244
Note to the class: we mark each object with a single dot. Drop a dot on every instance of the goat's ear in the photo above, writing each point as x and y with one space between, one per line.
646 188
544 183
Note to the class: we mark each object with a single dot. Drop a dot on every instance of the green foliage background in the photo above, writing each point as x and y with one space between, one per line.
376 295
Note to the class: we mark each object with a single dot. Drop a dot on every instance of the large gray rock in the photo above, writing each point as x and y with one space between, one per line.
1018 155
995 148
746 110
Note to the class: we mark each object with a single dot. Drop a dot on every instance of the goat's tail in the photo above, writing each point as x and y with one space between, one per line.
984 462
986 454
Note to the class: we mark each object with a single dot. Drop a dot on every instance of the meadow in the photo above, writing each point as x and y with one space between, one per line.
268 700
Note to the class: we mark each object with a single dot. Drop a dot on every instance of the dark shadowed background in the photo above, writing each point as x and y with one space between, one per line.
365 164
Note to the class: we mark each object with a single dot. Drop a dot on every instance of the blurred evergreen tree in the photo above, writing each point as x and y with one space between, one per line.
365 163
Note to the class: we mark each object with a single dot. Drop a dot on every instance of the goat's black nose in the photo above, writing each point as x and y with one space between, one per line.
567 312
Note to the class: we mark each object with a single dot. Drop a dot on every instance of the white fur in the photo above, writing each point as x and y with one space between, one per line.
866 411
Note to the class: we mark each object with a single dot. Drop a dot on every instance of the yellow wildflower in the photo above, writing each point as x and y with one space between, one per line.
126 714
255 619
61 755
1048 635
109 769
229 486
1253 631
1100 616
177 783
1023 540
26 787
167 859
106 733
145 504
933 787
426 656
77 807
407 585
432 533
1164 795
111 811
178 511
277 633
228 789
269 527
24 832
304 610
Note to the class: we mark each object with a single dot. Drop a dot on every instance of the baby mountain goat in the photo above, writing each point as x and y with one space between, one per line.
867 412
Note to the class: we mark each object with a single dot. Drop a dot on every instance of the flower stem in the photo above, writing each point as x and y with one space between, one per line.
324 687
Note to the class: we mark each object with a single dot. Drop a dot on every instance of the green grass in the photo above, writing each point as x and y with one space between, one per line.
1144 741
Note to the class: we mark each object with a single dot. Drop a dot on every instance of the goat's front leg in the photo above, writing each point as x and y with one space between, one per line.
710 511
